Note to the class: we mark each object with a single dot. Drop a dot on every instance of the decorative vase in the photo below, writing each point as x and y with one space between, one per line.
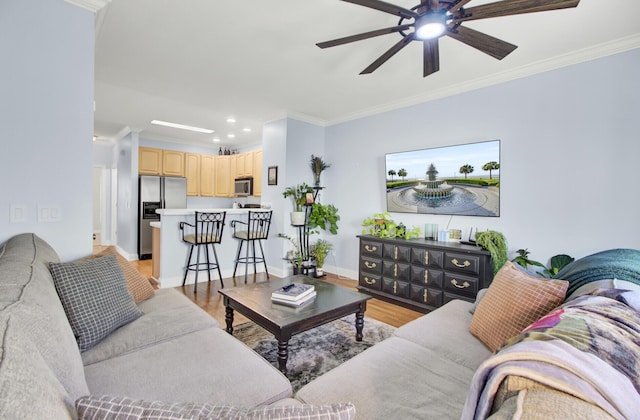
317 179
319 272
297 270
297 218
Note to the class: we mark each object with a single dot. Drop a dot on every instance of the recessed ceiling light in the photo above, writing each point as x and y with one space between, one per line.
246 130
231 136
216 140
231 120
182 126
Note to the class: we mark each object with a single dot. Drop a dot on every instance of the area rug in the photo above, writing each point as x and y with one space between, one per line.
316 351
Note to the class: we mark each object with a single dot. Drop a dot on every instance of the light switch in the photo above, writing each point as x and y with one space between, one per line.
18 213
48 214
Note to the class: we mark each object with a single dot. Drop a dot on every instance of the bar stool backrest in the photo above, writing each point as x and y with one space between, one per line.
258 224
207 228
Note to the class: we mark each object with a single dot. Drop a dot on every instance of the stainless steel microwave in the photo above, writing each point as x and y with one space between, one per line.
243 187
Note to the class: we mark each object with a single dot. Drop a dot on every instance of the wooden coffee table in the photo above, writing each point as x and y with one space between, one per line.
332 302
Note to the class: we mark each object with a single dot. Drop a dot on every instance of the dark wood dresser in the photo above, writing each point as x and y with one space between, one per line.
421 274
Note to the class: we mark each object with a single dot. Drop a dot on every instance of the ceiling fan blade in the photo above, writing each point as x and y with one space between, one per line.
514 7
486 43
388 54
431 57
364 35
458 6
385 7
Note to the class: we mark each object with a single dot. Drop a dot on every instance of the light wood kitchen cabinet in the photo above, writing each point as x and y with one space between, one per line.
192 172
223 176
244 165
149 161
207 167
172 163
257 173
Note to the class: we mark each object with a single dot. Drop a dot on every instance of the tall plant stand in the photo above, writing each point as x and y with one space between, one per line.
303 233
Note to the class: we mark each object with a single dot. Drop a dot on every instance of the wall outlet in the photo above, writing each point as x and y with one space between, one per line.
49 214
18 213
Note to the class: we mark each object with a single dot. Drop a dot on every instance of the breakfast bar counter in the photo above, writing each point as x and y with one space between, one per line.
172 256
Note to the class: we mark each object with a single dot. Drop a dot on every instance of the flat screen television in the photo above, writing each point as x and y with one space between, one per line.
461 180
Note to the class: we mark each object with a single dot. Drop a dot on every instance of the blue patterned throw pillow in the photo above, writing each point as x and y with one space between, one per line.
95 298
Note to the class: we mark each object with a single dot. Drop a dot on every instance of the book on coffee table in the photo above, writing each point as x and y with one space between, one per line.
295 303
293 292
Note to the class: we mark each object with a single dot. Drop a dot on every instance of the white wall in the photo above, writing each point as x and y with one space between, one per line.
46 121
569 159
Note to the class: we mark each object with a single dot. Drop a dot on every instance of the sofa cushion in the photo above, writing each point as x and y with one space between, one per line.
446 331
394 379
106 407
512 302
95 298
169 314
40 327
138 285
220 369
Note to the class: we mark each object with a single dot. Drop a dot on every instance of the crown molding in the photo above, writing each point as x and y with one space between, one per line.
91 5
575 57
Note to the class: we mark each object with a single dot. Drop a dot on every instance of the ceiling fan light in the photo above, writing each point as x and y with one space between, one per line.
430 26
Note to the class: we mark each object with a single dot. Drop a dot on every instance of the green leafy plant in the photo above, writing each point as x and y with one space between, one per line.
556 263
324 217
298 194
294 255
320 251
496 244
382 226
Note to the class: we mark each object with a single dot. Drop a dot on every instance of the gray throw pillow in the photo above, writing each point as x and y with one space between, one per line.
95 298
106 407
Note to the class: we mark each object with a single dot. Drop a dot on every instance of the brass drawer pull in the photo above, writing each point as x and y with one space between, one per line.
426 257
395 287
460 286
465 264
370 264
425 296
395 253
426 277
369 281
369 248
395 270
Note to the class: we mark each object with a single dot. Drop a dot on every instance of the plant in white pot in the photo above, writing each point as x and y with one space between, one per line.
298 194
320 251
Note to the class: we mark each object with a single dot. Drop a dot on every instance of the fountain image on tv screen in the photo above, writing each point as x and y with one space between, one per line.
459 180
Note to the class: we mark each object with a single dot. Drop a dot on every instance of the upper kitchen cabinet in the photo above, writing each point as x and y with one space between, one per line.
257 173
149 161
172 163
207 175
223 176
244 165
192 171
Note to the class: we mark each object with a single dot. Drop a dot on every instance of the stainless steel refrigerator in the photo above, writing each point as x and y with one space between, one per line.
157 192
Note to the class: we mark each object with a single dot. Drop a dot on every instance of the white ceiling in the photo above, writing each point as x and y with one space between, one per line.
198 62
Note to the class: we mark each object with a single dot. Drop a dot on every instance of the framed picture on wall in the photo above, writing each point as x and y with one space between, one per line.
272 175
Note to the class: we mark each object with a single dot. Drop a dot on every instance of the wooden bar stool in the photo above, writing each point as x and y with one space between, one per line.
255 229
205 232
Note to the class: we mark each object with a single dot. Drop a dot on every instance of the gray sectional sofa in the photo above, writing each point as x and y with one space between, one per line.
432 368
173 352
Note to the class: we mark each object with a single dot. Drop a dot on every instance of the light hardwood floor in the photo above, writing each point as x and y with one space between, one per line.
210 300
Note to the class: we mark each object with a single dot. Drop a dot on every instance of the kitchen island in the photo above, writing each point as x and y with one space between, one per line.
172 256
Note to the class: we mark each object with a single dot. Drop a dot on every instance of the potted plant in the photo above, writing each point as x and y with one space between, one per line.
324 217
496 244
294 255
382 226
320 251
556 263
317 166
298 194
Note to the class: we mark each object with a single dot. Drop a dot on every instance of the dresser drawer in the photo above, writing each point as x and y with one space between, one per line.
370 249
462 262
460 284
370 281
427 257
426 296
396 271
371 265
448 297
399 253
396 287
426 276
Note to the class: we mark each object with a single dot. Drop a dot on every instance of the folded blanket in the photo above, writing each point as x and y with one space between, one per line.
621 264
588 348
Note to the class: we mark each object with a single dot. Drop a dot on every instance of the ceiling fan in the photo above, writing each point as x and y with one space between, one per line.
432 19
